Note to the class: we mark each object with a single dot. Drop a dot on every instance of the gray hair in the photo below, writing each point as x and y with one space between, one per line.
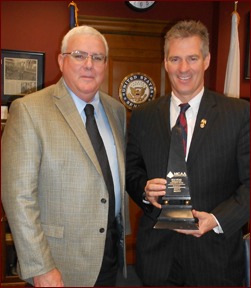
84 30
188 28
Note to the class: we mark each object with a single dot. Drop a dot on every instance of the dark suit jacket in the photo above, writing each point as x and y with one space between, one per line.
218 171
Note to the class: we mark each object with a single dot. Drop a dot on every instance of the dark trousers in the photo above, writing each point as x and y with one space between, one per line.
108 272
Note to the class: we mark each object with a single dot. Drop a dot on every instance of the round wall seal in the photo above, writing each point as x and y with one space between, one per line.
136 89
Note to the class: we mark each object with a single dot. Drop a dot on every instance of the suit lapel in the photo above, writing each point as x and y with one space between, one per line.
163 114
207 112
69 111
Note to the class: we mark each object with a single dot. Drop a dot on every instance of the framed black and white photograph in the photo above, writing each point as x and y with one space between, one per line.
22 73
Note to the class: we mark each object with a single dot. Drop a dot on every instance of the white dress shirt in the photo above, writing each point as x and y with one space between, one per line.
191 115
107 137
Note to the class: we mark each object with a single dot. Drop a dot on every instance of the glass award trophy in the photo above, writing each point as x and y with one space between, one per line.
176 210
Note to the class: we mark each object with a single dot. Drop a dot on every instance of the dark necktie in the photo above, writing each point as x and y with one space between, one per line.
98 145
182 123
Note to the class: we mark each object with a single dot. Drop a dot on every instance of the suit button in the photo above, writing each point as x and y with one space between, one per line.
103 200
102 230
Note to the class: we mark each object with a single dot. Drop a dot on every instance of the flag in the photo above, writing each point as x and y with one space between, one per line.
232 78
73 14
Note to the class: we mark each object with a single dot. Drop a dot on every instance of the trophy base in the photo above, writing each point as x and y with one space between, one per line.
176 217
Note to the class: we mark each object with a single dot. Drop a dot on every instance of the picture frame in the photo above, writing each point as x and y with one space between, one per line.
22 73
247 52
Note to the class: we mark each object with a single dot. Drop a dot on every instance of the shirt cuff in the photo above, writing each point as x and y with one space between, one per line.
144 200
217 229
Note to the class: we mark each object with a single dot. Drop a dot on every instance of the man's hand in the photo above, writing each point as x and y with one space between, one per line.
154 189
206 222
52 278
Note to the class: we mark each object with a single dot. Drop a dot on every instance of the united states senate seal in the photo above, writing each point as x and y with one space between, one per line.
136 89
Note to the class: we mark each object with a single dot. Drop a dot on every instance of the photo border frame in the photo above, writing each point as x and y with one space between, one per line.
6 99
247 51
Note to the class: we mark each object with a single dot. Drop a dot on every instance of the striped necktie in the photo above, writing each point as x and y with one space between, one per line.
182 123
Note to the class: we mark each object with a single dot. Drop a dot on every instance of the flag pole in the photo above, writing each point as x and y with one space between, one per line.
73 14
235 6
236 12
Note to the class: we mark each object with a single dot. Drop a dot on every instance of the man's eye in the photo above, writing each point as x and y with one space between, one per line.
193 59
174 60
78 56
98 58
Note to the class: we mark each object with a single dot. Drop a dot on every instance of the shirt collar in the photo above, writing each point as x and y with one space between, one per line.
80 104
194 102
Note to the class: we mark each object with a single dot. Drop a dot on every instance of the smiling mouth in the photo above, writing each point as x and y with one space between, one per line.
184 78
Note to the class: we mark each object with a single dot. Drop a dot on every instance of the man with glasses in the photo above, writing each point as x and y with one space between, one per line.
66 228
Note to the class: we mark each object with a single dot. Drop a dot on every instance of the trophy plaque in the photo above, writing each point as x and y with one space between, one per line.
176 210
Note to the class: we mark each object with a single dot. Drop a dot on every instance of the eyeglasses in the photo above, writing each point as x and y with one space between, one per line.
81 56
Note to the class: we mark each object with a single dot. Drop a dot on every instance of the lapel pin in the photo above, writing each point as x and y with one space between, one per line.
203 123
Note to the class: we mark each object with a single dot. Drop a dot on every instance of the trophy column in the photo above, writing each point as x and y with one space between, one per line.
176 210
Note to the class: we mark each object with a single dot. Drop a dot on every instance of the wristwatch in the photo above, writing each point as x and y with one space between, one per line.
144 200
140 5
